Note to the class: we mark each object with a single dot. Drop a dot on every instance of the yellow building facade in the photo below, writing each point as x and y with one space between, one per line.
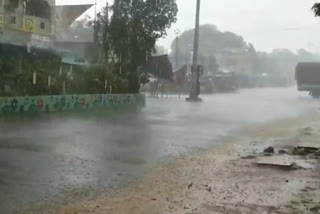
27 22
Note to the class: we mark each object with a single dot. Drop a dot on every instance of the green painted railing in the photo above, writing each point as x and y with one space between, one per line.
69 103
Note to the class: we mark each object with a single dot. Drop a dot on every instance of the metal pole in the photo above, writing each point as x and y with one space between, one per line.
194 96
95 12
196 36
177 52
177 32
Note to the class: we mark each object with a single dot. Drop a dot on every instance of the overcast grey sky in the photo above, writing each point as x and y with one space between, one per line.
267 24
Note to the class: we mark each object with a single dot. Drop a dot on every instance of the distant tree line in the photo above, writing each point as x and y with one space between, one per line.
280 64
229 52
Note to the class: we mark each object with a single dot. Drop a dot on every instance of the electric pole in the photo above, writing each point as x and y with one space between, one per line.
195 85
177 32
95 11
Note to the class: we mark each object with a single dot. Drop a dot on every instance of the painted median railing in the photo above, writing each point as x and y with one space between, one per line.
68 103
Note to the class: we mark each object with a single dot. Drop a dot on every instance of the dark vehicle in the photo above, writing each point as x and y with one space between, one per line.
308 78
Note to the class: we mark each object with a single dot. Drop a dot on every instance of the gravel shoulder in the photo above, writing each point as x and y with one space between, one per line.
228 179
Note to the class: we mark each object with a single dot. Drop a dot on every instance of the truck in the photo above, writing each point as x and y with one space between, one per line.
308 78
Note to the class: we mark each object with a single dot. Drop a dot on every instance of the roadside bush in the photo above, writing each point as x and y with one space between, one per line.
17 69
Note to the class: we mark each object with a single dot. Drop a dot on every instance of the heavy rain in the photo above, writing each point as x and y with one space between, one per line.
159 106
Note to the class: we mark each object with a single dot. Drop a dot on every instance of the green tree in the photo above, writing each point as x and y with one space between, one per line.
9 68
316 9
130 36
215 47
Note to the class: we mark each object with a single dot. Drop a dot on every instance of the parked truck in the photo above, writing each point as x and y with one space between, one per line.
308 78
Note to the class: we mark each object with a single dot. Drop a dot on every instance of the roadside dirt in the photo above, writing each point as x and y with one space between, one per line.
227 180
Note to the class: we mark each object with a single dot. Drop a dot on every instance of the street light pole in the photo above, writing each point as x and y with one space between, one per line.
194 94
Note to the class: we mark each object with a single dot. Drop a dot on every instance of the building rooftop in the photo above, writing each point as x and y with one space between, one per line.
81 35
67 14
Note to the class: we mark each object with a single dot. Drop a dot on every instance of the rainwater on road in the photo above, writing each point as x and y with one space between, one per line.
52 155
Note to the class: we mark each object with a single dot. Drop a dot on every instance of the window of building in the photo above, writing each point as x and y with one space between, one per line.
13 5
0 3
38 8
42 25
13 20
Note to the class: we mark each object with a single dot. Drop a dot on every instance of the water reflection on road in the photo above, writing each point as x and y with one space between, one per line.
50 155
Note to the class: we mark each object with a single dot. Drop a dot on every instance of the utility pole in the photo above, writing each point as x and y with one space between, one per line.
177 32
95 12
195 85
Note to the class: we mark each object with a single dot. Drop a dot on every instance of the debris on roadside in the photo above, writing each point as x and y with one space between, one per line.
282 152
254 143
284 163
248 157
299 152
269 150
308 131
315 209
274 162
308 148
295 166
304 150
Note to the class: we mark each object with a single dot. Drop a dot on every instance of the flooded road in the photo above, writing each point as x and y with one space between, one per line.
50 156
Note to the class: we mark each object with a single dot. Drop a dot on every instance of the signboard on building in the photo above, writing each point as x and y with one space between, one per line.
28 25
75 61
43 42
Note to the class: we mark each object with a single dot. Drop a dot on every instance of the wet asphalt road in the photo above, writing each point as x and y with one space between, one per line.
50 156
